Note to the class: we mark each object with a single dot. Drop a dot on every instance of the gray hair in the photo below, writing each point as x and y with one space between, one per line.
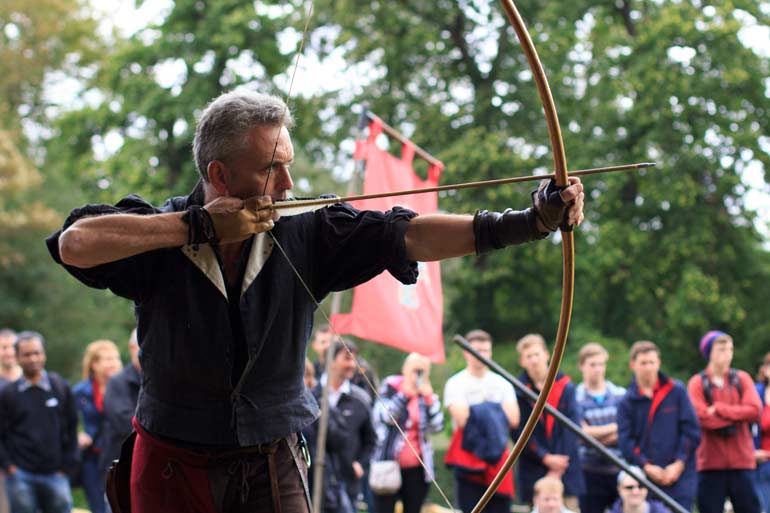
226 121
635 473
28 335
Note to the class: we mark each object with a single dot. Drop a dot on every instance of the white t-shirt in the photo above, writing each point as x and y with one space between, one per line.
466 388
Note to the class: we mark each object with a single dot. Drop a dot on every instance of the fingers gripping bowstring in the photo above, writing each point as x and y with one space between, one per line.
361 370
288 93
337 337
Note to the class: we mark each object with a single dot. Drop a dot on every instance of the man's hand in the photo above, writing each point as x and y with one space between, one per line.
358 470
557 208
556 462
673 471
84 440
656 473
236 220
761 456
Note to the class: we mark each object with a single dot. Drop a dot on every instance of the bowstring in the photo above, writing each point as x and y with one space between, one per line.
296 272
288 93
361 370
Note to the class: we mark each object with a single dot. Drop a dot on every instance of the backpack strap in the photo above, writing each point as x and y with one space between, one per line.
706 387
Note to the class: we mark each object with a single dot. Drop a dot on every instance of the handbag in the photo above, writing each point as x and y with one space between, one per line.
384 477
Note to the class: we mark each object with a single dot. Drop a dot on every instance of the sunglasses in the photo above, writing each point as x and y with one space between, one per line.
633 487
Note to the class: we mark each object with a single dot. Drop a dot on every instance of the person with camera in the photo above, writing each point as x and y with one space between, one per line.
408 404
726 403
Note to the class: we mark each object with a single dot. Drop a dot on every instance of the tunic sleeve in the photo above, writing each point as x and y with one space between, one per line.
128 277
354 246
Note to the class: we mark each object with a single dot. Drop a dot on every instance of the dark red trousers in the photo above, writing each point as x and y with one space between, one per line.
165 478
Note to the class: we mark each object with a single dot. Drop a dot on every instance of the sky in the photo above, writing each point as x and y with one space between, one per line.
121 15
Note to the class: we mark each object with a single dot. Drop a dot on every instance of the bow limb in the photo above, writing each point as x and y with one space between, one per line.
568 247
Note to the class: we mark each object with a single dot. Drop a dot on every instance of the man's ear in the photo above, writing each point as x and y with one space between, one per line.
218 177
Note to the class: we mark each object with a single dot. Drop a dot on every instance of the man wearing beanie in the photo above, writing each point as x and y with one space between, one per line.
726 403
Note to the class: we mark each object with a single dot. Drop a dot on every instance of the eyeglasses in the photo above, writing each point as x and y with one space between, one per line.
633 487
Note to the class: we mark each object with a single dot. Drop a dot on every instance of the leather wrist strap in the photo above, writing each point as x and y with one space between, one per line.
495 230
200 227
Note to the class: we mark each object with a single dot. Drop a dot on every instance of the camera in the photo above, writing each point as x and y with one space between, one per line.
727 431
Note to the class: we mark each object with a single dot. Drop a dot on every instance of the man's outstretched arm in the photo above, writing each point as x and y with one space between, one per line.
438 236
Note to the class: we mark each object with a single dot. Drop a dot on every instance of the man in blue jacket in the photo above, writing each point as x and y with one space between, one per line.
553 449
657 426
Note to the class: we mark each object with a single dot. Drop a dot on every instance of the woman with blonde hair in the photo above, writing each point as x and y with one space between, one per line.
100 362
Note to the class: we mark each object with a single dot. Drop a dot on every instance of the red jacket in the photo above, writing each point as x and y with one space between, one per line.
718 452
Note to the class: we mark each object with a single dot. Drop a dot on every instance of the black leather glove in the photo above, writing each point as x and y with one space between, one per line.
495 230
549 206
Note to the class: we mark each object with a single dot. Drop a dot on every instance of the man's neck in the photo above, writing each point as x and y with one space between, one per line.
537 379
717 371
477 372
335 382
646 386
35 378
596 388
639 508
10 373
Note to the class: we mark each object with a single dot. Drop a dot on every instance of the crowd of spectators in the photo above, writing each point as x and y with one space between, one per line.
702 443
53 436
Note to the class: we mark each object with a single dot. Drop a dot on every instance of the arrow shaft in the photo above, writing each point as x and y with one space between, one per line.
455 187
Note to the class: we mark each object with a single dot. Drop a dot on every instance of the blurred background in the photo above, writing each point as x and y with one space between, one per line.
98 100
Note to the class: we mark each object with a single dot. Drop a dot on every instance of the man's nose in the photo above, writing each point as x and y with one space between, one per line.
283 179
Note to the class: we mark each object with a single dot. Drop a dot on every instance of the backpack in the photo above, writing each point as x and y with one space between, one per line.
732 379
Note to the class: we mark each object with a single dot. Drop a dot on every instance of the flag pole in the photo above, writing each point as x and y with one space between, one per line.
323 421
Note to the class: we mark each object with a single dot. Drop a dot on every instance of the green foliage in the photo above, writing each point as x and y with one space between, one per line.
664 254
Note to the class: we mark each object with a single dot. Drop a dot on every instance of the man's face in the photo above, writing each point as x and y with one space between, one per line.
484 348
631 492
7 353
646 366
548 502
534 360
31 357
722 353
593 368
344 365
248 170
321 342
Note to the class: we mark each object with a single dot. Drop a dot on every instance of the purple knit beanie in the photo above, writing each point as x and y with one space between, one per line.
708 340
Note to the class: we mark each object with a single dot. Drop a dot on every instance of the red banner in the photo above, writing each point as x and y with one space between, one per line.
407 317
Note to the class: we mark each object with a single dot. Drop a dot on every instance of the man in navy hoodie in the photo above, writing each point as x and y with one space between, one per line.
657 426
552 450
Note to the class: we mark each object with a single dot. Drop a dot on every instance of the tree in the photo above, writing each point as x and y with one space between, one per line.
42 41
664 255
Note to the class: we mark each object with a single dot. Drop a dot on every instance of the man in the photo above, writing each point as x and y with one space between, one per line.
223 290
633 496
120 399
549 496
322 339
553 449
38 433
598 399
726 403
476 395
9 372
9 368
350 405
657 426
